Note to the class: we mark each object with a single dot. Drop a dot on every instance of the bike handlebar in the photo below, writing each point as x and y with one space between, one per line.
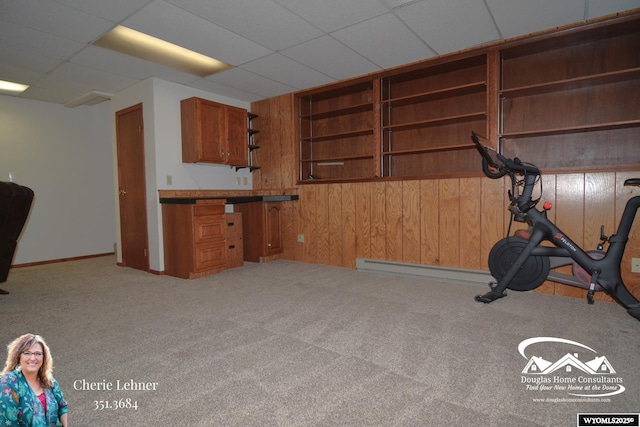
492 159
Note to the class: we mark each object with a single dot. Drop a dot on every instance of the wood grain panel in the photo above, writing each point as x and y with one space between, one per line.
429 222
494 202
393 206
378 221
411 221
323 238
470 236
289 227
307 207
278 153
363 220
348 225
334 200
570 219
449 224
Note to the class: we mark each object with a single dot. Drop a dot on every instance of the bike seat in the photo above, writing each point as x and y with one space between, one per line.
632 181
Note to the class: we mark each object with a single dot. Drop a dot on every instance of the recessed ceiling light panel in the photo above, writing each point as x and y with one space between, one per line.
11 88
134 43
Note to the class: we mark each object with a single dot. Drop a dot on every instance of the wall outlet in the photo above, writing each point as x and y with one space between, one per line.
635 265
169 180
238 180
300 238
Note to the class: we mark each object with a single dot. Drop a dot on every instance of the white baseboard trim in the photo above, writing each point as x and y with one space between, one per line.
452 274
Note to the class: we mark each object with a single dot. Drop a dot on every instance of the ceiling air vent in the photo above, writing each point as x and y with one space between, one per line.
90 98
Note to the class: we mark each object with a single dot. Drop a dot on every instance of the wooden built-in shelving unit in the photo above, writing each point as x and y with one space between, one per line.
564 100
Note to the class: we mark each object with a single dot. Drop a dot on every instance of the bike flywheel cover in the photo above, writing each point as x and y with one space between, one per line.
531 274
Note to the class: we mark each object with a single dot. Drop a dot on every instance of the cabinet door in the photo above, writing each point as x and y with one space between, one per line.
212 130
273 228
237 144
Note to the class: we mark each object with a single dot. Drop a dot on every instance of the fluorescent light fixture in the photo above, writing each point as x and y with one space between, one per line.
90 98
134 43
12 88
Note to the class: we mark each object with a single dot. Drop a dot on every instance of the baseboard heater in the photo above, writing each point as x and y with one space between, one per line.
452 274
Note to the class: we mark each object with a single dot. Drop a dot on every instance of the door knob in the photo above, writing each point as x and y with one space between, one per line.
122 192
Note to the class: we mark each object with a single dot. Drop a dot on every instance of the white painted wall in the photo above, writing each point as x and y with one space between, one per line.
68 156
163 153
64 155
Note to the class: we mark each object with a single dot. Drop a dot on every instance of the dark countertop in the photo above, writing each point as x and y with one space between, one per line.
229 199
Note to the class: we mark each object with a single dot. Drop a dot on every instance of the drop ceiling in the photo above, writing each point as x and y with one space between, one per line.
274 46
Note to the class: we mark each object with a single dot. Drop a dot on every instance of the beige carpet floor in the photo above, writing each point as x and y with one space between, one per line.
294 344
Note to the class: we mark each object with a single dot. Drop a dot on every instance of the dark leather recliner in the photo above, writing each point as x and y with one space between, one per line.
15 203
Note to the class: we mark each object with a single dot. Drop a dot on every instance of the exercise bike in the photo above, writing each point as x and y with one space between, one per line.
520 263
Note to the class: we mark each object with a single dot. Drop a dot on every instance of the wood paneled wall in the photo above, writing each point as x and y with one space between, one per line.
447 222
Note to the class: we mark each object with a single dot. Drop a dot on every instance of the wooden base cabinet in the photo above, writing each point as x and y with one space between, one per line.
194 238
261 222
235 251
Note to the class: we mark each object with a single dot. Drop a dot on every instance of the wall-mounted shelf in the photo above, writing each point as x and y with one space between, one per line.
251 132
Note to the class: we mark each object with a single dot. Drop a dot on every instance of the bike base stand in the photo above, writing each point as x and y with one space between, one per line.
490 296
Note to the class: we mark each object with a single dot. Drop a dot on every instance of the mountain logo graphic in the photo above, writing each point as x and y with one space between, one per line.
569 362
593 375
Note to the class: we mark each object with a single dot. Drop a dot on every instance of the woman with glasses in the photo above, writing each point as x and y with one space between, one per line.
29 395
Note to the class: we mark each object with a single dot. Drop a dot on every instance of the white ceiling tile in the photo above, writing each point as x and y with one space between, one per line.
331 15
60 92
385 41
284 70
96 79
117 63
170 23
26 60
330 57
37 42
277 46
517 17
220 89
450 26
113 10
54 18
250 82
266 22
599 7
16 74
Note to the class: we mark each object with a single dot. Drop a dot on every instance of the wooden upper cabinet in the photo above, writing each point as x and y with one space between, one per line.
213 132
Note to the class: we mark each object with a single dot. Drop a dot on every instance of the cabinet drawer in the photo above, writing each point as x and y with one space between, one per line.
211 256
235 256
208 228
234 224
204 209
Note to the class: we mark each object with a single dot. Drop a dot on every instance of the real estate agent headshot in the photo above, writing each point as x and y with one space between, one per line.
29 395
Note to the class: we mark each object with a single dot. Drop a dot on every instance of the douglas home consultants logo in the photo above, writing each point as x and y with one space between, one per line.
559 366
